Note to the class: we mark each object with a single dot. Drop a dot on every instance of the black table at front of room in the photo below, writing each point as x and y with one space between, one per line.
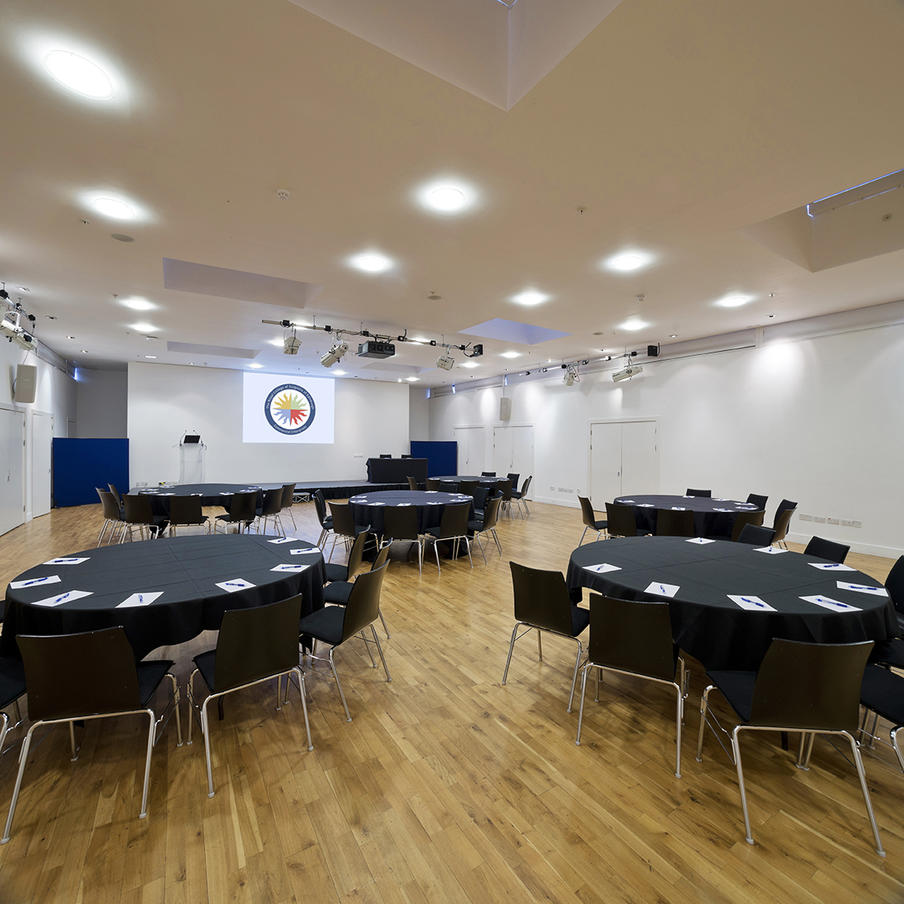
116 585
368 508
706 622
455 479
712 517
210 493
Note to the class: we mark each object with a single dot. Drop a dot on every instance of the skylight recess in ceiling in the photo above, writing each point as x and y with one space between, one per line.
512 331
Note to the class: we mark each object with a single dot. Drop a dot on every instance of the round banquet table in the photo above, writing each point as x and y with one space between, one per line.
210 493
706 622
367 509
116 585
458 478
712 517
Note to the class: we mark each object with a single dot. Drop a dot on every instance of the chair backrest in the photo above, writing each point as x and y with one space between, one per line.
288 491
783 521
319 506
827 549
116 493
487 473
541 598
468 487
758 501
242 506
706 494
412 483
480 495
514 479
526 485
454 522
70 675
783 505
257 642
400 522
742 519
491 513
755 535
674 524
272 502
587 512
108 502
386 455
185 510
381 559
356 553
632 636
433 484
810 685
505 487
137 508
343 521
363 605
621 520
894 584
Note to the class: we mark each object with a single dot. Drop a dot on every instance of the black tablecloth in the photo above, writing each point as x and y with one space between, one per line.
483 481
396 470
367 509
708 624
186 570
342 489
210 493
712 517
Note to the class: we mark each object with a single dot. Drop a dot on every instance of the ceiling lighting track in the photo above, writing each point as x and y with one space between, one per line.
863 192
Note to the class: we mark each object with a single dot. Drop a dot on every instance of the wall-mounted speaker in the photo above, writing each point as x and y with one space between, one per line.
505 408
26 383
652 351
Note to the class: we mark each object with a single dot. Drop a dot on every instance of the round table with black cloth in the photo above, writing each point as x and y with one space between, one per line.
705 622
367 509
712 517
458 478
186 570
210 493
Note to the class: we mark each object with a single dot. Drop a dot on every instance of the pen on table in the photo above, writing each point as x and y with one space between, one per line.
744 599
60 599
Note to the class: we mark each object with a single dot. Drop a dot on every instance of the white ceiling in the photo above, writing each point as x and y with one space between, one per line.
678 128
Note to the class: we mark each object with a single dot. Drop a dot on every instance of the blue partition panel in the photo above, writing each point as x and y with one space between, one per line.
442 457
80 465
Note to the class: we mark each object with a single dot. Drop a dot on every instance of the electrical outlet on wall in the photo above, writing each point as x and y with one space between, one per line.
833 521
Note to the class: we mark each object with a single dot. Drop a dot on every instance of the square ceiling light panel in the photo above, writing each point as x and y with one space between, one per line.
185 276
512 331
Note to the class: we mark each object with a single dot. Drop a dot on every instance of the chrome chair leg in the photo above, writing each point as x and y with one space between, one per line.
72 744
539 645
304 703
205 730
383 621
893 737
736 749
861 774
373 631
496 540
574 677
587 666
348 715
23 758
806 749
582 536
147 763
679 718
704 709
508 658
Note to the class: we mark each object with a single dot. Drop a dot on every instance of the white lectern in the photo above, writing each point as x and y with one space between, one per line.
191 455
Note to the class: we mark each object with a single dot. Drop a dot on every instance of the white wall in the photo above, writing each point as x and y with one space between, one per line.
418 414
101 404
816 420
165 401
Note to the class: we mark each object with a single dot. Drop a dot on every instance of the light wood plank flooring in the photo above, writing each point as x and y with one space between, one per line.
446 786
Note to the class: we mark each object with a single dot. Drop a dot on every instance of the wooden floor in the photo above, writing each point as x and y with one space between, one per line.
447 786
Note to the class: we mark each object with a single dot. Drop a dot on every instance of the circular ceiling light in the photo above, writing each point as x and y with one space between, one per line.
734 300
137 303
446 196
79 74
633 324
113 206
277 343
339 373
371 262
143 327
469 364
530 297
413 379
511 354
628 261
254 365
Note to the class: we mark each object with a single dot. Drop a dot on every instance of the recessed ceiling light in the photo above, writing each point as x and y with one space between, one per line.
142 327
413 379
70 337
339 373
84 351
446 196
422 339
371 262
255 365
673 335
137 303
511 354
632 324
79 74
628 261
734 300
151 357
277 343
469 364
530 297
113 206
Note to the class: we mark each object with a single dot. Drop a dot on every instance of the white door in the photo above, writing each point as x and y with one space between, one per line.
640 458
513 451
12 476
605 463
471 449
41 438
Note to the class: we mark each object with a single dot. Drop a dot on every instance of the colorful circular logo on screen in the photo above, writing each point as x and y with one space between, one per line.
289 409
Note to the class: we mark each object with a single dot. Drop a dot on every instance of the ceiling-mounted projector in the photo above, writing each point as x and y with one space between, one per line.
334 355
291 344
445 362
376 348
632 370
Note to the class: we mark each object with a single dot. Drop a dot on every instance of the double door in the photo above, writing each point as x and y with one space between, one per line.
12 471
624 458
513 452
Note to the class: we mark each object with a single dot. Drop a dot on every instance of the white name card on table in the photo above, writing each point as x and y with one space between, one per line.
828 603
662 589
68 560
290 568
830 566
279 540
602 568
139 599
645 505
626 502
700 541
770 550
311 551
751 603
679 508
861 588
67 597
723 510
225 493
431 491
234 585
35 582
401 504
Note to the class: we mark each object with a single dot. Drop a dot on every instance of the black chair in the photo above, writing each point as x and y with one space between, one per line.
254 645
338 593
242 512
621 521
758 501
635 638
453 526
827 549
487 473
288 494
480 496
386 455
514 480
185 510
342 573
520 496
116 495
268 510
334 625
433 484
112 515
12 687
742 519
401 523
326 521
882 694
412 483
755 535
487 524
139 514
706 494
670 523
891 652
542 603
591 522
813 688
782 521
504 487
468 487
76 677
344 525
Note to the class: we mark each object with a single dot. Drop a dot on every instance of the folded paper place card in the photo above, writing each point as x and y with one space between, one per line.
753 603
225 493
279 540
723 510
432 491
678 508
234 585
828 603
662 589
139 599
35 582
830 566
63 598
645 505
861 588
311 551
770 550
293 569
401 504
699 540
602 568
68 560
